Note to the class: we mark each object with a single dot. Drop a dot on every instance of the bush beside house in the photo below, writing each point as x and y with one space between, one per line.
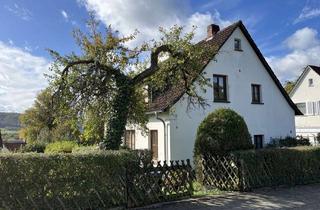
220 133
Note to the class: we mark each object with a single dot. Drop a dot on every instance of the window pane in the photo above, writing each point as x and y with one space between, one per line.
256 94
219 85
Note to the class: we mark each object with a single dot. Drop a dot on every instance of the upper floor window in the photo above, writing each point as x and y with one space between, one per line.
237 44
220 88
302 107
310 82
256 94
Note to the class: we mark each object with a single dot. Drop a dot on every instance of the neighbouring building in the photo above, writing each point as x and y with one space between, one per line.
242 80
306 95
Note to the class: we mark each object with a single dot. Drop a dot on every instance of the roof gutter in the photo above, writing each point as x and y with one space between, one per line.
164 133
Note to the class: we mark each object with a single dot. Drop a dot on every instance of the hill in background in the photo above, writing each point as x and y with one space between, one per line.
9 120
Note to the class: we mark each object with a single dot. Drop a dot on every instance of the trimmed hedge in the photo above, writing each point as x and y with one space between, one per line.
274 167
64 181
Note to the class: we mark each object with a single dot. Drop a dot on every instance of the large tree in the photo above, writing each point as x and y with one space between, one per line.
111 75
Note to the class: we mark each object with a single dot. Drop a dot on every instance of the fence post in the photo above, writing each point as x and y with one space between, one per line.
190 177
241 174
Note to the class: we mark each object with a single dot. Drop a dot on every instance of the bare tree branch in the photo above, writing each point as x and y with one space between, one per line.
154 64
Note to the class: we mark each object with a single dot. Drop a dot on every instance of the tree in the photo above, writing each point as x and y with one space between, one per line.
289 85
44 122
112 75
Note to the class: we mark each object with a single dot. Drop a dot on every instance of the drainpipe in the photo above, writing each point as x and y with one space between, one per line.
164 134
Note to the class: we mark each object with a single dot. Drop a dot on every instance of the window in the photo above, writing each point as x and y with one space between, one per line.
237 45
310 82
220 88
130 139
258 141
153 138
302 107
256 94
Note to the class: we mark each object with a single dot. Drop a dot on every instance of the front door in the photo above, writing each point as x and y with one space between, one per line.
154 144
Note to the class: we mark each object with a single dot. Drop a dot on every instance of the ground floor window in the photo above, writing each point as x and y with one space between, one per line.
153 138
258 141
130 139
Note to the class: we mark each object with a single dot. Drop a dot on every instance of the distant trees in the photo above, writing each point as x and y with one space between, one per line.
44 122
289 85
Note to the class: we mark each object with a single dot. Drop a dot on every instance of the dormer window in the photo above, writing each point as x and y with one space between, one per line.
237 45
310 82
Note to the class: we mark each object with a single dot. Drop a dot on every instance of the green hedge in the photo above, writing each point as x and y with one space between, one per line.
274 167
63 181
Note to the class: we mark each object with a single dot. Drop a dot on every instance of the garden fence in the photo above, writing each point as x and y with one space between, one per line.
127 187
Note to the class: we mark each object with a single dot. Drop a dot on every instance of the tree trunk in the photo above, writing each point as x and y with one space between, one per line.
118 118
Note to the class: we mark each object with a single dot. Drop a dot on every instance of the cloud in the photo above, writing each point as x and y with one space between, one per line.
20 12
303 39
307 13
21 78
147 16
65 15
304 49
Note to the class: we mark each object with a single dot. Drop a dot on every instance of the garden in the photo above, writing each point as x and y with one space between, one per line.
67 175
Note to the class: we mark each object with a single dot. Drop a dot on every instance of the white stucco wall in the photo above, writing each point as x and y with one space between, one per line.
275 118
142 139
307 125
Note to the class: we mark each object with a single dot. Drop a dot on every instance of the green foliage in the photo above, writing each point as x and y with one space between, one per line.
222 131
94 124
45 122
274 167
112 77
289 85
60 147
85 149
38 147
9 134
289 142
69 181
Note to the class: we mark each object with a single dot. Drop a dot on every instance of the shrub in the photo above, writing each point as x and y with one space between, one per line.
274 167
289 142
85 149
68 181
38 147
222 131
60 147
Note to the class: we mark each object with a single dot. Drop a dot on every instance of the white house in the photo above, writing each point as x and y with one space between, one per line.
242 80
306 95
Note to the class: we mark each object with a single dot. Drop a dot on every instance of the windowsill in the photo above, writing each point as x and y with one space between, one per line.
258 103
221 101
239 50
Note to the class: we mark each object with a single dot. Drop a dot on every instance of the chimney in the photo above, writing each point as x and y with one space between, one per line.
212 29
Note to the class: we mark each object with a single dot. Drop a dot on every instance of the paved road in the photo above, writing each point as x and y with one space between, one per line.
301 197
